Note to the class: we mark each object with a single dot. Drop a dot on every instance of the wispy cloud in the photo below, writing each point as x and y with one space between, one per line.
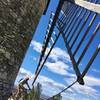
36 46
50 87
24 72
47 83
59 66
88 90
96 71
59 56
55 54
59 53
92 81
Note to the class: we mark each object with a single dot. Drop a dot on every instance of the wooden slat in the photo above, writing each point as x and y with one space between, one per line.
88 5
76 69
91 61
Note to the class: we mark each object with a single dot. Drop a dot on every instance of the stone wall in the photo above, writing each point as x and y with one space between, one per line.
18 21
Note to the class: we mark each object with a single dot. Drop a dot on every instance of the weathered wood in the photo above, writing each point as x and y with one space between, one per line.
88 5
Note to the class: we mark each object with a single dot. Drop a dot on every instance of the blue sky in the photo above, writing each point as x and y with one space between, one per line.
58 72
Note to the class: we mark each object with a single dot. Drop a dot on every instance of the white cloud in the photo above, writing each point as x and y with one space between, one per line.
24 72
95 70
34 58
88 89
92 81
59 53
84 92
59 57
58 67
36 46
56 52
50 87
46 82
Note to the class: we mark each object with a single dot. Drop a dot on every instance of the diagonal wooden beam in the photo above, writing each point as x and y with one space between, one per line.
91 61
51 31
76 69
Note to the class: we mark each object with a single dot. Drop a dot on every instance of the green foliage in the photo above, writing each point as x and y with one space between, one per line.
57 97
34 94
